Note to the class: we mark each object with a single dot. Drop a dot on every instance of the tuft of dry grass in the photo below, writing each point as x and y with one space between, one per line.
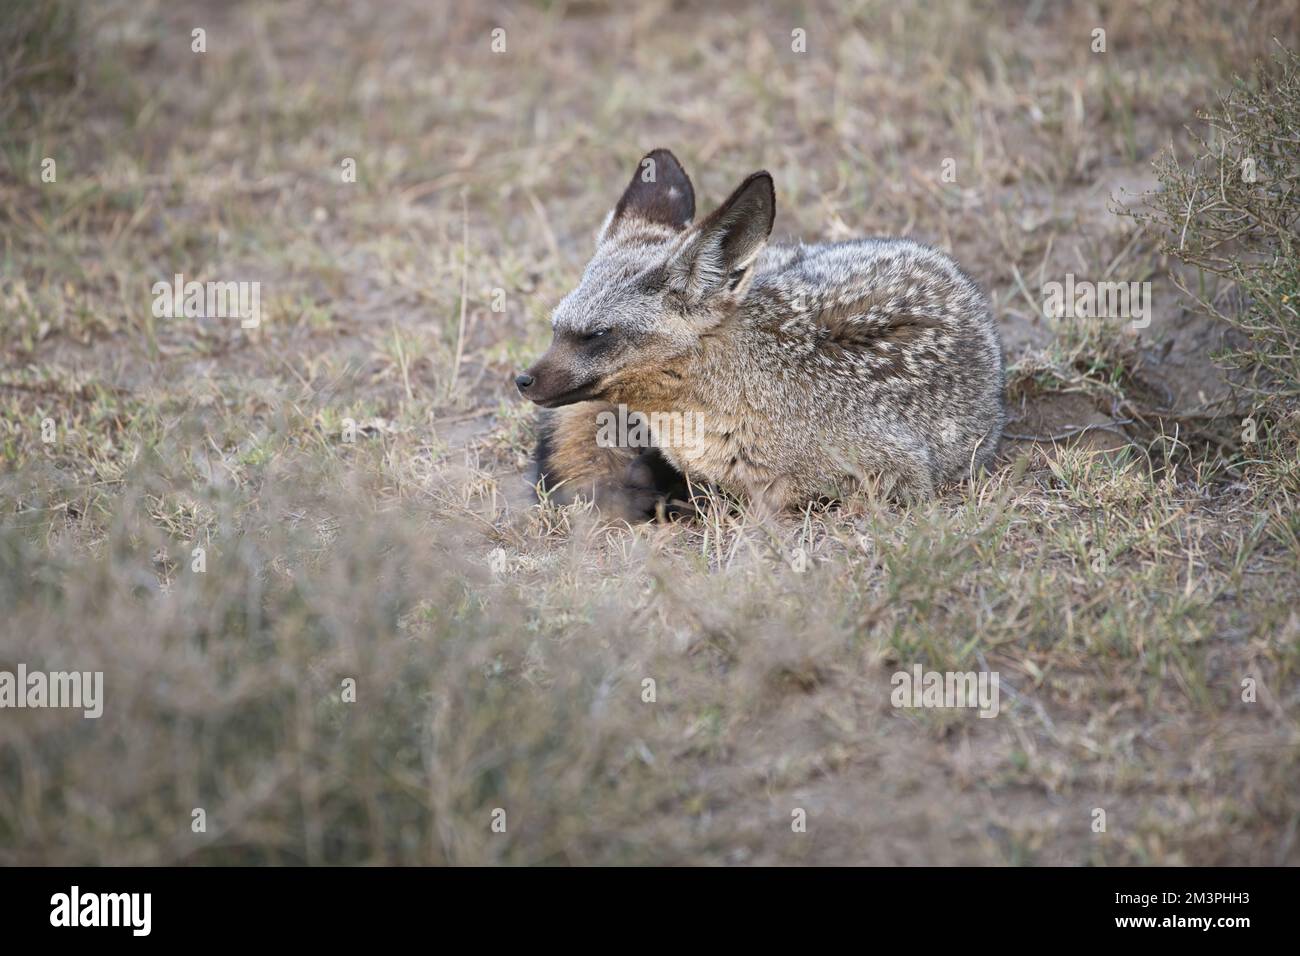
664 693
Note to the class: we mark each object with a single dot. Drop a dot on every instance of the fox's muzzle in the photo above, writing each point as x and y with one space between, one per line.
551 387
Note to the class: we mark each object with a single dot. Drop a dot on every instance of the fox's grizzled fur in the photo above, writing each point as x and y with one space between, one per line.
812 367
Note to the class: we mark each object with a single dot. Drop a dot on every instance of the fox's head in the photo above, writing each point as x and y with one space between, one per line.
656 284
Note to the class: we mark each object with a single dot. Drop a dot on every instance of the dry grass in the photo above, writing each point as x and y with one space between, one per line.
1123 579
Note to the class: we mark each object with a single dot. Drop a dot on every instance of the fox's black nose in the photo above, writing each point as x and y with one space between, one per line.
523 380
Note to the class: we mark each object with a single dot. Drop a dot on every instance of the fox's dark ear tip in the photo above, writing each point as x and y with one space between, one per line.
659 155
763 180
666 196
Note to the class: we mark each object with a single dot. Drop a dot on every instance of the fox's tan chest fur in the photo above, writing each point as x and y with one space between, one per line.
728 449
721 454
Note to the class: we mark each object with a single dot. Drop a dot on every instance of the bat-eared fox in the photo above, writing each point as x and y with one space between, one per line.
801 369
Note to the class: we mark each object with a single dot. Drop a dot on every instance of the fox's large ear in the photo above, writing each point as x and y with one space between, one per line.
660 192
715 257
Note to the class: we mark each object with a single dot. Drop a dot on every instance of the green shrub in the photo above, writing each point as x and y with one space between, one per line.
1232 214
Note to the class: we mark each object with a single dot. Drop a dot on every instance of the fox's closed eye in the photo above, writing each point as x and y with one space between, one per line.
595 334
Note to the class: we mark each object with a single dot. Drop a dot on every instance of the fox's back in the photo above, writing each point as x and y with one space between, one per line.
870 343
